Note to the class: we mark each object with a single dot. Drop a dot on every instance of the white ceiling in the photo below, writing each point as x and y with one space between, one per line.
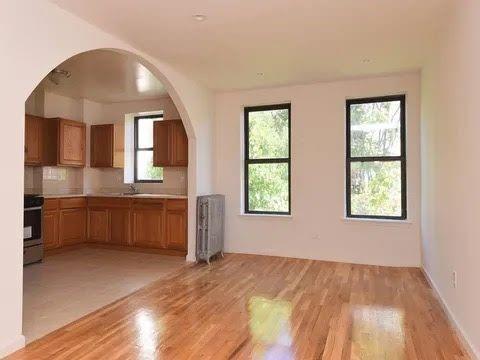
105 76
289 41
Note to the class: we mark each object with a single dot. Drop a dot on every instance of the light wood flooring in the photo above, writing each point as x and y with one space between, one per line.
257 307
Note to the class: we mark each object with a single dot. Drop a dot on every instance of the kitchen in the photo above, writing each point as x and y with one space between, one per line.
106 159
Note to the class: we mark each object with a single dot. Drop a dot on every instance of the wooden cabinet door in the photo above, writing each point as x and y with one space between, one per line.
72 225
148 227
71 136
101 145
176 229
119 226
179 143
50 229
161 143
33 140
98 225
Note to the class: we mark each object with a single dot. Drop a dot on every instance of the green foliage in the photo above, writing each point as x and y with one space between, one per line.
153 172
376 186
268 139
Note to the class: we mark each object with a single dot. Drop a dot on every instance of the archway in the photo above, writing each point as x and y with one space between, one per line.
181 109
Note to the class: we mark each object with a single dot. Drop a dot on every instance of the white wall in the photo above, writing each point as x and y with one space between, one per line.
317 229
36 36
450 173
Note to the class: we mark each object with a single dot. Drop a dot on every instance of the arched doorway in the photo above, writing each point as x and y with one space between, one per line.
189 128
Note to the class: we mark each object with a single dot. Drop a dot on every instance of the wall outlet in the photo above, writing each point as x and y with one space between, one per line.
454 279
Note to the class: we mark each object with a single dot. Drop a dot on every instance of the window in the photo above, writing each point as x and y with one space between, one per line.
267 159
375 158
143 143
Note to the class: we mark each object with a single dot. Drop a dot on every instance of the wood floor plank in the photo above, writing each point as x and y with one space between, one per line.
259 307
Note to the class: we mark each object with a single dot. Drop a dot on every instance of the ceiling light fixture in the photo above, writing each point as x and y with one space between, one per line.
199 17
260 74
365 61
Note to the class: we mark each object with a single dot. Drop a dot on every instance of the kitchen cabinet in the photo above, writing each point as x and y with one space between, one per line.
98 225
109 220
170 144
119 226
33 140
107 145
71 143
148 223
176 225
138 223
50 229
54 141
72 226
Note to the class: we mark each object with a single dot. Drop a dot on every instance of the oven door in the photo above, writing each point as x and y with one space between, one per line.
32 226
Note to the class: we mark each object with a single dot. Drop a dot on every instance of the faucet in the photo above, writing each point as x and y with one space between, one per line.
132 189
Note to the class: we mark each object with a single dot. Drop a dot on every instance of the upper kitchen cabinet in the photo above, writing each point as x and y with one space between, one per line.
106 145
52 142
71 139
33 140
170 143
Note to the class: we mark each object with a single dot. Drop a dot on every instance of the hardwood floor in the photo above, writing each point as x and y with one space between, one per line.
247 306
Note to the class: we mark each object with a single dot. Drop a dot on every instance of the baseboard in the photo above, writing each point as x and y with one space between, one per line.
11 347
462 336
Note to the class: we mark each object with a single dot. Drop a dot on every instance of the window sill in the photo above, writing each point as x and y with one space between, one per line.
377 221
280 216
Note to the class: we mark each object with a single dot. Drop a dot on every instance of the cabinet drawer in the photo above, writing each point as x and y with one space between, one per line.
72 203
149 203
50 204
108 202
176 204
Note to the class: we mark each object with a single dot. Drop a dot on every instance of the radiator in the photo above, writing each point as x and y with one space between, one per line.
210 226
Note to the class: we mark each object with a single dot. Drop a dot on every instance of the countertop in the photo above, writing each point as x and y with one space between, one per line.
117 195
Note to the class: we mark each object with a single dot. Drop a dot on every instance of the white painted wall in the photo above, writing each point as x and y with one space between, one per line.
35 36
450 173
317 229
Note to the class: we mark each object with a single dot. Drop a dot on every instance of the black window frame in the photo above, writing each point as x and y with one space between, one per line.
402 158
248 161
137 149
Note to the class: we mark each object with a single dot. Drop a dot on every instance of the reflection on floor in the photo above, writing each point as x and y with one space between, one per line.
258 307
70 285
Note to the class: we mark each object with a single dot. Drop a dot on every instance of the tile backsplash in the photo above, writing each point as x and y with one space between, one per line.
51 180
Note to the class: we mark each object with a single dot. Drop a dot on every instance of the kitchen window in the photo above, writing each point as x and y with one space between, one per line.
267 159
376 158
145 172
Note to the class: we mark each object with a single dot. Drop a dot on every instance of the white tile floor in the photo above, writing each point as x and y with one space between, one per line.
70 285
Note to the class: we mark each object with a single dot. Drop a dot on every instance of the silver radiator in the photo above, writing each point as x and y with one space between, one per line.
210 226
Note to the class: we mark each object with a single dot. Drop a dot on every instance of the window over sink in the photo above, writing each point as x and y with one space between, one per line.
144 171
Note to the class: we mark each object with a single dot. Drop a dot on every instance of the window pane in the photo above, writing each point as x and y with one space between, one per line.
376 188
268 134
145 169
268 187
375 129
145 132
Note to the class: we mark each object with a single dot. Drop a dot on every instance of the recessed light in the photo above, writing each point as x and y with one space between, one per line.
260 74
199 17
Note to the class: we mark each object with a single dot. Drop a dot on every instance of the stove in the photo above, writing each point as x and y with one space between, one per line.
32 228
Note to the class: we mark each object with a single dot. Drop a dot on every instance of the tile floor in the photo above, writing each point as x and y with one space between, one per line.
70 285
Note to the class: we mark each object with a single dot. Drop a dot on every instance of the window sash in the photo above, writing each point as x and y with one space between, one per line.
138 149
402 158
249 160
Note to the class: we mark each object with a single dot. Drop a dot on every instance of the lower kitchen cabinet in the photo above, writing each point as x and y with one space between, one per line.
72 226
176 230
50 229
119 226
97 225
148 223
